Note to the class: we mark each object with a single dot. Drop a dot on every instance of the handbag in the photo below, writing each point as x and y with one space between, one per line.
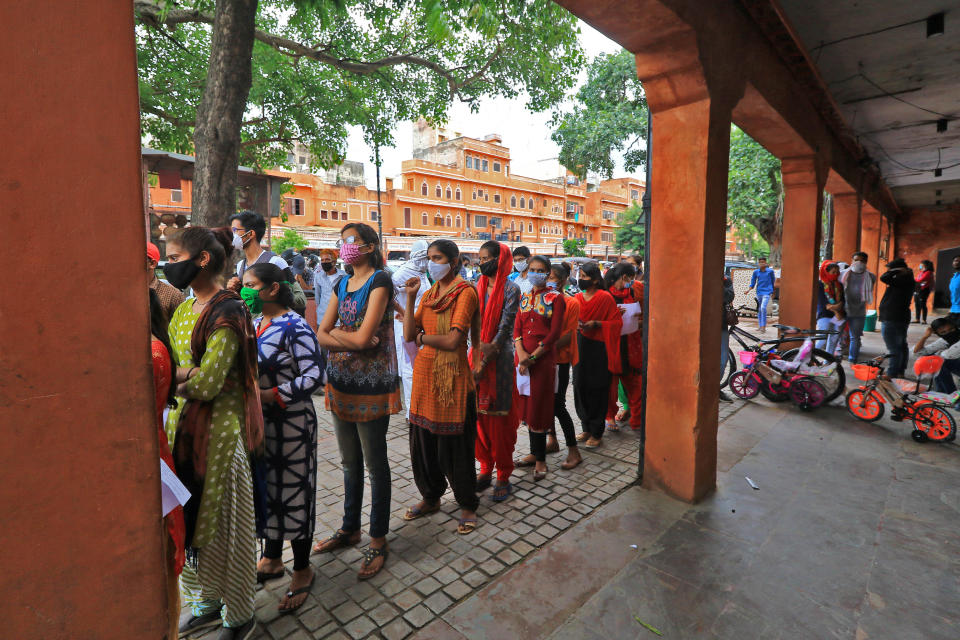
730 315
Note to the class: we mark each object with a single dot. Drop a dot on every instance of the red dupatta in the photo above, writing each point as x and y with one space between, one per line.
491 312
635 339
603 308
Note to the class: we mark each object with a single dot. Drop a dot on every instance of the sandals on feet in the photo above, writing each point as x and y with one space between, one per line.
466 525
297 592
484 481
263 576
525 461
567 465
593 443
611 425
338 540
415 512
501 492
369 555
539 475
583 436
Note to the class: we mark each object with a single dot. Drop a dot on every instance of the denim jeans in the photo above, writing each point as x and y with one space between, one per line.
944 380
895 338
764 300
855 325
830 344
724 350
361 442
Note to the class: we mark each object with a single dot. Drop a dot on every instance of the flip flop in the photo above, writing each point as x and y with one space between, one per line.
583 436
466 525
369 555
262 576
501 492
520 463
483 482
341 539
290 594
413 512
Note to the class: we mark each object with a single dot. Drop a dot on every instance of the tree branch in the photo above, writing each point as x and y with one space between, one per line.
151 14
172 119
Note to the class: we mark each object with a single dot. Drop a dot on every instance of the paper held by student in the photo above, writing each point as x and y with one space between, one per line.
173 493
631 318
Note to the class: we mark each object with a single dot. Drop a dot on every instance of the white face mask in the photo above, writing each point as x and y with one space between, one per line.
520 265
858 267
438 270
237 242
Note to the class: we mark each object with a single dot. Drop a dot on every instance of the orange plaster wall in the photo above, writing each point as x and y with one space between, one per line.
922 231
79 489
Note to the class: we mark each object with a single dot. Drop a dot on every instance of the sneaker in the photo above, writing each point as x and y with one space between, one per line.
193 624
239 633
725 398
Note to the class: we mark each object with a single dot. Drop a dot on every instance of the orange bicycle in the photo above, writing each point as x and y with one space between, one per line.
930 420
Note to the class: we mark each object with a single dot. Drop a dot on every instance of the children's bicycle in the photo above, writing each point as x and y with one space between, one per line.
927 411
765 371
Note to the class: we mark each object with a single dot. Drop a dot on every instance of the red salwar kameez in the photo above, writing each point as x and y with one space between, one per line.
540 323
631 358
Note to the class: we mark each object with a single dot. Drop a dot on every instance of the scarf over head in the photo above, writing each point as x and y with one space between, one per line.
446 364
831 287
491 312
603 308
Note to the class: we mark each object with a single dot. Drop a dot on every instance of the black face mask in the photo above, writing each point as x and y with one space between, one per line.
952 338
489 268
181 274
327 266
584 284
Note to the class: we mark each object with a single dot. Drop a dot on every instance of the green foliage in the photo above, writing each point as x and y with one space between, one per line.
609 113
573 247
631 236
289 240
320 66
750 242
754 190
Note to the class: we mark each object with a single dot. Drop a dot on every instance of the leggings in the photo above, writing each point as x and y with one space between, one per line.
538 445
560 406
273 549
920 303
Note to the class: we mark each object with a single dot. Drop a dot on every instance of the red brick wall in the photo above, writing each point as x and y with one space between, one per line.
923 231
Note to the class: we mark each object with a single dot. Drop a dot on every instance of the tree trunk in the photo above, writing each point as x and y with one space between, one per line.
220 114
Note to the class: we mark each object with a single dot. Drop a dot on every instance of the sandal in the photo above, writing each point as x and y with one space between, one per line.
622 415
526 461
369 555
567 465
263 576
291 594
611 425
501 492
484 480
539 475
582 436
593 443
466 525
414 512
338 540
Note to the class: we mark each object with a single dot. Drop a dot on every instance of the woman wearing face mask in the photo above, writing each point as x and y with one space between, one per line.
443 407
622 285
598 345
925 281
216 425
291 369
415 267
362 389
494 369
537 329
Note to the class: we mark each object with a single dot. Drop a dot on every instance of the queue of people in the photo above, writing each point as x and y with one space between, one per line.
236 366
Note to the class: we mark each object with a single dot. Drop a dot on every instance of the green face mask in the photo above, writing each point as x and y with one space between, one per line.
251 297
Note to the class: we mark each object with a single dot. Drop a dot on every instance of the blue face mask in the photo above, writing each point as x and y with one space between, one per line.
552 284
536 279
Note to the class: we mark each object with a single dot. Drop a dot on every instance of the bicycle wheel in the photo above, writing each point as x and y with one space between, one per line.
807 393
934 422
836 382
864 406
728 370
744 385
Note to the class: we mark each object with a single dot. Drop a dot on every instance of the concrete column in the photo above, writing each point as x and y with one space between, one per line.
870 223
689 191
846 225
79 467
803 184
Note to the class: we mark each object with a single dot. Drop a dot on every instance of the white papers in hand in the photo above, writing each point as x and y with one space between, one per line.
410 349
172 492
631 318
523 383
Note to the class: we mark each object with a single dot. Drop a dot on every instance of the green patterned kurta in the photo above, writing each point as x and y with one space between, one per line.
225 533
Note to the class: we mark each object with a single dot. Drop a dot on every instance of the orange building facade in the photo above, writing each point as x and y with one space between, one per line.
456 187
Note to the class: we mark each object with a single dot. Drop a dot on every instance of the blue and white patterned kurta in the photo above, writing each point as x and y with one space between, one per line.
289 359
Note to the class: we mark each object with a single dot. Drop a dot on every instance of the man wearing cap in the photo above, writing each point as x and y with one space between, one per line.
170 297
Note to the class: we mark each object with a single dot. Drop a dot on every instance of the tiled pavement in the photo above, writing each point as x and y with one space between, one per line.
431 568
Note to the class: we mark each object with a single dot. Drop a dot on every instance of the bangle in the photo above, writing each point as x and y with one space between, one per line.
533 358
190 372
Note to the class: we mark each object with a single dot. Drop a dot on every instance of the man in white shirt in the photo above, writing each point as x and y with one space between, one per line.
249 227
324 277
415 267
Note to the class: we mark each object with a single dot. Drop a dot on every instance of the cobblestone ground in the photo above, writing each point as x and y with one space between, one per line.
431 567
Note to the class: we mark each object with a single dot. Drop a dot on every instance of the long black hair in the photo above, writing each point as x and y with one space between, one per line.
448 248
592 270
269 274
369 236
159 327
617 271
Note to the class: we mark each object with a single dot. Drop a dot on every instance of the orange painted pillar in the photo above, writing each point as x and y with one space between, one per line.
846 225
688 218
870 223
79 467
802 203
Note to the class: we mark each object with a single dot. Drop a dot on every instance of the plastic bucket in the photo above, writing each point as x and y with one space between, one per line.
870 324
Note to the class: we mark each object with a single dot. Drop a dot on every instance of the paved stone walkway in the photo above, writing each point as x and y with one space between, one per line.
431 568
